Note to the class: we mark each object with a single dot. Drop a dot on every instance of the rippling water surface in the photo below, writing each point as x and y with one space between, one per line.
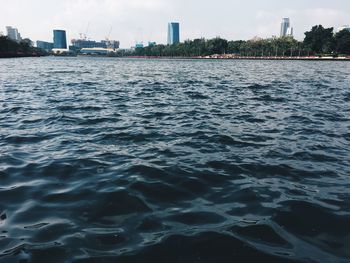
117 160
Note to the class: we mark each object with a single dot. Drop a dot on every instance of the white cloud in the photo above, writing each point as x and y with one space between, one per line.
329 17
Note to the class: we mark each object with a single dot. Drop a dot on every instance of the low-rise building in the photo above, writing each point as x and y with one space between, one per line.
47 46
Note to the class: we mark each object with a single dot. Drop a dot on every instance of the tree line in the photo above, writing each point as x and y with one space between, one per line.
317 41
24 48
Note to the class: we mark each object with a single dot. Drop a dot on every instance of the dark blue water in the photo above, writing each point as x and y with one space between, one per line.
108 160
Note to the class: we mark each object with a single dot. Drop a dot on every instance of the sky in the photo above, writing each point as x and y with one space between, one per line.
132 21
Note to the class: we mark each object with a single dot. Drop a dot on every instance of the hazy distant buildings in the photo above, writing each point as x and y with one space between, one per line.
12 33
286 29
47 46
173 33
59 39
139 45
256 39
347 27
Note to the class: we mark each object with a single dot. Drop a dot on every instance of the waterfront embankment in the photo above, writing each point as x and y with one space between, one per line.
233 57
18 55
312 58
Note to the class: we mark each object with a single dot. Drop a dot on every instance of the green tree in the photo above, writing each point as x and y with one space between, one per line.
319 39
10 48
217 46
235 47
342 42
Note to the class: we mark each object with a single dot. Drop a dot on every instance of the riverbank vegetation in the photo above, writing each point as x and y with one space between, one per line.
10 48
319 41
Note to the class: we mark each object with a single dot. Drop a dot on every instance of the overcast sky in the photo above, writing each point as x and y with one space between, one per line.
146 20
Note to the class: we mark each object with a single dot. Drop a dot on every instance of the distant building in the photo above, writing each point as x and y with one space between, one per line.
139 45
84 43
12 33
286 29
256 39
59 39
74 49
173 33
152 44
47 46
112 44
347 27
290 31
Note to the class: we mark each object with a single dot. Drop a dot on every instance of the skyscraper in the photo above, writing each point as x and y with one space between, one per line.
290 31
173 33
286 29
12 33
59 39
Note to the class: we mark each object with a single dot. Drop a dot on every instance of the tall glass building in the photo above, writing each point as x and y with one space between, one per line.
285 25
59 39
173 33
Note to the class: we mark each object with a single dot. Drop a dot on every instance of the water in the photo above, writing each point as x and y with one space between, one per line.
118 160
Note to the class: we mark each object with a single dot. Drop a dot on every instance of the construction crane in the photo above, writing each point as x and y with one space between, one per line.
83 36
109 44
87 30
109 33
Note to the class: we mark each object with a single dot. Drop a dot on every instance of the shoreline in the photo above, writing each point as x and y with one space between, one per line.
19 55
222 57
213 57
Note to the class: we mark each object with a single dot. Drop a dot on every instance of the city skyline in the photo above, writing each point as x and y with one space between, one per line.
136 21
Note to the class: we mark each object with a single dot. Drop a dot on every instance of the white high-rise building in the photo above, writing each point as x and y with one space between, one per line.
12 33
286 29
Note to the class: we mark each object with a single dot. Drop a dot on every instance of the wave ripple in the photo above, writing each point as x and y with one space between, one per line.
118 160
